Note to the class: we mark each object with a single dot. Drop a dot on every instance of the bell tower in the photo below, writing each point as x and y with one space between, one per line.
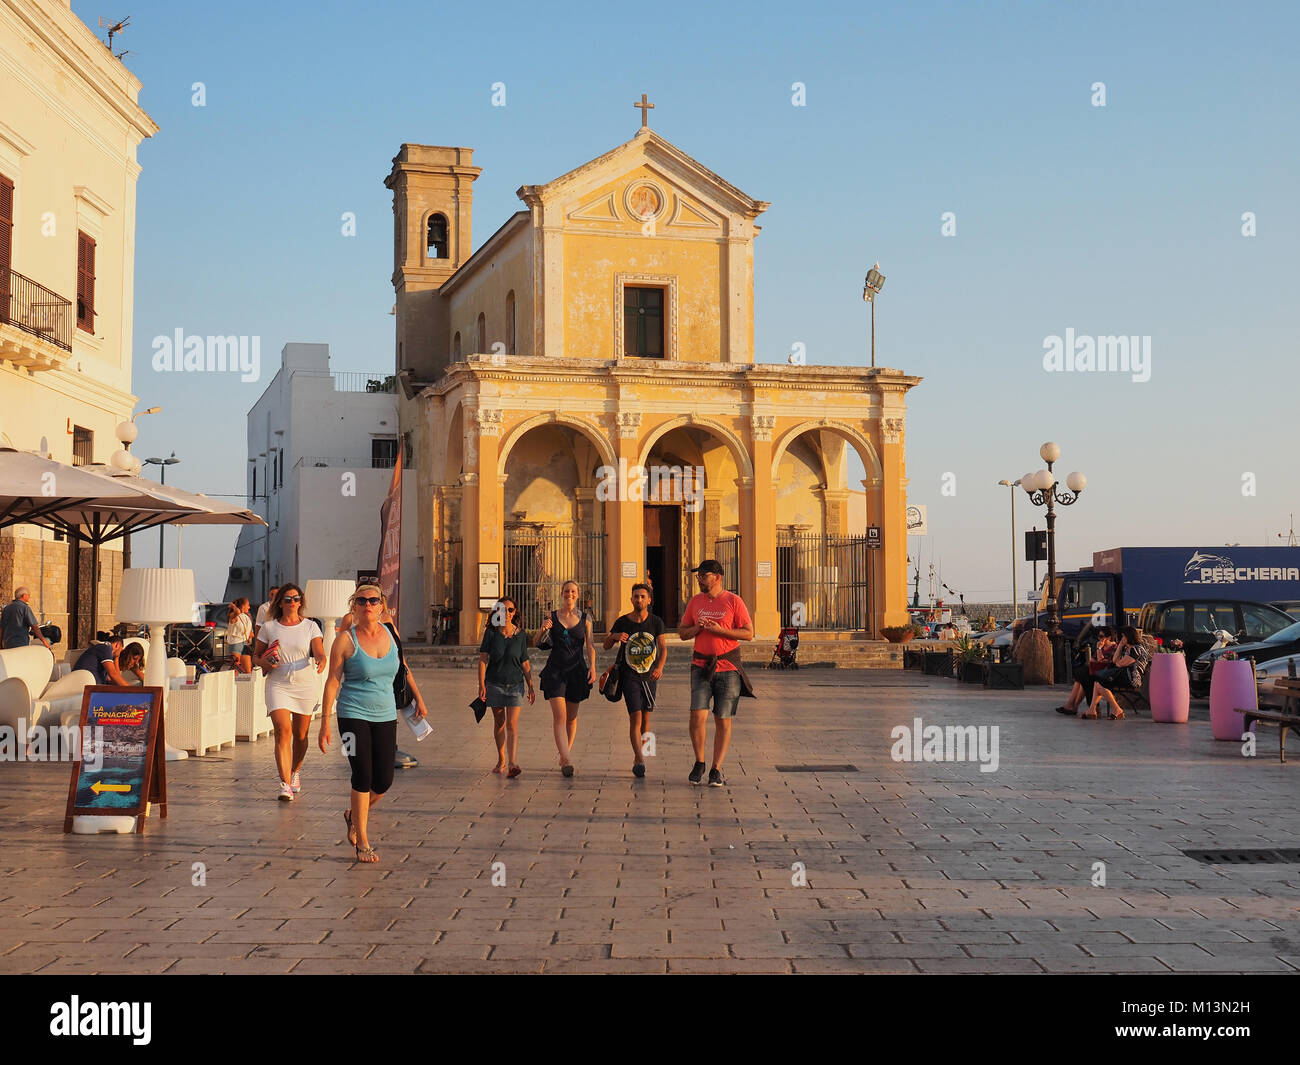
433 199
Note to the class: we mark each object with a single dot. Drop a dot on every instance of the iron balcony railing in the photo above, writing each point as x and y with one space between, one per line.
34 309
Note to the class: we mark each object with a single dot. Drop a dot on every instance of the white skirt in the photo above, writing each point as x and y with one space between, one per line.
296 688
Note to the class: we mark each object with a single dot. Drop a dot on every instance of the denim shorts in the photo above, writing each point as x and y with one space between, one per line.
723 691
237 649
505 695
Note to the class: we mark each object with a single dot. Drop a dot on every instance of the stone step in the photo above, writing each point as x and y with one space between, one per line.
833 654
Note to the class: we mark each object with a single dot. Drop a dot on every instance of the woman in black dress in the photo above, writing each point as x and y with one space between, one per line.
570 671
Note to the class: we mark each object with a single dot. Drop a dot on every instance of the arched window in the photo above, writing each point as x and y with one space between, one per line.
437 243
482 333
510 322
455 346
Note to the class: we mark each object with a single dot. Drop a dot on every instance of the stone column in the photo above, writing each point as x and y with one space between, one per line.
758 534
891 515
624 521
481 515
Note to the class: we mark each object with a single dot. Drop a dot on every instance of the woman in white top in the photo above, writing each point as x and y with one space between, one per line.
239 635
293 692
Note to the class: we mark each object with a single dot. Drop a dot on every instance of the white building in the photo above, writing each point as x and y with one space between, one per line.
321 449
70 124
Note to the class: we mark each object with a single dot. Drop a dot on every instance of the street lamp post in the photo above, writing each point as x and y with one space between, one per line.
1041 487
163 463
870 290
126 462
1015 595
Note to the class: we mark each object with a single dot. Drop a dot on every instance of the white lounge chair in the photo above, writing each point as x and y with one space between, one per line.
201 716
24 674
60 703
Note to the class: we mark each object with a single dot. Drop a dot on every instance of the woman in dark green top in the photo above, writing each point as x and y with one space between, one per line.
503 671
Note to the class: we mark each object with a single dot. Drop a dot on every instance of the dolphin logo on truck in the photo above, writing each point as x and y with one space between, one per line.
1200 564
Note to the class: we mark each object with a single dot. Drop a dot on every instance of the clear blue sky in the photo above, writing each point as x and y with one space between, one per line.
1123 219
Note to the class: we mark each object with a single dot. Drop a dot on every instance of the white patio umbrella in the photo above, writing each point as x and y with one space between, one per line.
100 504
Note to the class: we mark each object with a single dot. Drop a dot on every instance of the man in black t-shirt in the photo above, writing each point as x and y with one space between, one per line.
645 651
101 659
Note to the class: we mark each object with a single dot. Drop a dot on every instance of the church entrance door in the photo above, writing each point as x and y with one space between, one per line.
663 560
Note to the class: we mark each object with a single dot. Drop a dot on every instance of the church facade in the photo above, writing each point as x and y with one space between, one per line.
580 400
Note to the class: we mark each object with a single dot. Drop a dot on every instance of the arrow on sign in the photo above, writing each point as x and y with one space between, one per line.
99 787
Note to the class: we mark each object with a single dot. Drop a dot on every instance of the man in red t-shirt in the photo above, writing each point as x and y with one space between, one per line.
716 620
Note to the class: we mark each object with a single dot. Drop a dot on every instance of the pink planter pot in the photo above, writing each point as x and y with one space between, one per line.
1170 697
1232 685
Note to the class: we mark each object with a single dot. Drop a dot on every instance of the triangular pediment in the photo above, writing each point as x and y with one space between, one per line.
682 192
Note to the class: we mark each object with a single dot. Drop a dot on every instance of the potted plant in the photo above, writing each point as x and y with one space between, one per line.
971 667
1169 692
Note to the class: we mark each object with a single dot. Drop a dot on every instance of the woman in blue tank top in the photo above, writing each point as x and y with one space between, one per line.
363 666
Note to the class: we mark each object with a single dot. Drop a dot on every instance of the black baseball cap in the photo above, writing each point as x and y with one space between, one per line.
709 565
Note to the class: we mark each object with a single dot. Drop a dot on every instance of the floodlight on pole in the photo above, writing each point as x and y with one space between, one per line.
870 290
1015 595
164 463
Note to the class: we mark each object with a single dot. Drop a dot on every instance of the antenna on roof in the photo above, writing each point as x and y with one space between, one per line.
114 30
1289 537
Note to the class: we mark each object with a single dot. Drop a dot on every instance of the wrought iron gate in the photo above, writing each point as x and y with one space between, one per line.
823 581
728 553
539 561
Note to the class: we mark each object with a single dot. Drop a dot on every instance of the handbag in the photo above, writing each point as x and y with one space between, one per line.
402 694
612 688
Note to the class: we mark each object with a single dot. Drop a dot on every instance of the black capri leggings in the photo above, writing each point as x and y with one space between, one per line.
372 748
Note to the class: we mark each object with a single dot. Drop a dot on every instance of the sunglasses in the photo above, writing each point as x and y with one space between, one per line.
510 610
368 600
292 599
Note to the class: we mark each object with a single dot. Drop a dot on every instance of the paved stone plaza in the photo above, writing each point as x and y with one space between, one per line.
911 867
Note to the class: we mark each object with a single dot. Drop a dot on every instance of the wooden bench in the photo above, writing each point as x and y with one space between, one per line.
1286 718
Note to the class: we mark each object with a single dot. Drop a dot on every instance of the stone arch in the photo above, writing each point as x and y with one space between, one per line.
586 429
861 444
689 421
455 450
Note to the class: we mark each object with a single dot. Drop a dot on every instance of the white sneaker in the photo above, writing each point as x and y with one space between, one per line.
295 782
286 792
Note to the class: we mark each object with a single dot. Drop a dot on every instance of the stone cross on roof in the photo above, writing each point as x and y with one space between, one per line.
646 108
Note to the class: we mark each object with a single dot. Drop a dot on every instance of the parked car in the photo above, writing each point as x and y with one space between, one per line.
1284 642
995 638
1291 606
1268 672
1194 621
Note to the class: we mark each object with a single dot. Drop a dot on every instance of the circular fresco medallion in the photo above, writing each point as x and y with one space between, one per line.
645 200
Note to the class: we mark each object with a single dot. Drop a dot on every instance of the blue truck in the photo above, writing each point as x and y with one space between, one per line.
1112 590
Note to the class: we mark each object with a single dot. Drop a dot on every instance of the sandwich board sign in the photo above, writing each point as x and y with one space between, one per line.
122 767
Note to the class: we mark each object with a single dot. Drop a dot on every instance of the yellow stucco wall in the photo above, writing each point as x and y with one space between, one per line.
484 290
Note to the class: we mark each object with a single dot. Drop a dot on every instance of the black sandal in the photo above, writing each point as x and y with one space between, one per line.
347 819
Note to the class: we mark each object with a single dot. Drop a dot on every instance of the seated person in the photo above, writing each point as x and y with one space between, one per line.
1087 660
131 661
1105 648
101 659
1130 662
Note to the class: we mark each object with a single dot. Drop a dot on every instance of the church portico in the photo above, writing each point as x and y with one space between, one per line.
581 472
